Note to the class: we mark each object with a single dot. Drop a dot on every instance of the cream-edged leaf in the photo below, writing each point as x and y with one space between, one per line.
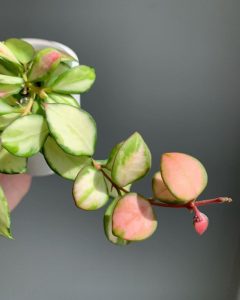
7 119
6 53
5 221
5 108
62 99
89 189
11 164
62 163
132 161
74 81
107 221
73 129
25 136
23 51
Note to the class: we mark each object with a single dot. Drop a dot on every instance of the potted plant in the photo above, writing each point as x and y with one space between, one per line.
38 114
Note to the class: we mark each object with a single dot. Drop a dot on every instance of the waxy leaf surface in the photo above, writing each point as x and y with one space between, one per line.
5 221
108 225
25 136
133 218
73 129
23 51
184 175
74 81
132 161
90 190
62 163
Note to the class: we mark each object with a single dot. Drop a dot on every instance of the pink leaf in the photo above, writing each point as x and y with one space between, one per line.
184 175
133 218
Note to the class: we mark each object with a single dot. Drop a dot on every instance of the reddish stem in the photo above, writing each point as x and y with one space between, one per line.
192 204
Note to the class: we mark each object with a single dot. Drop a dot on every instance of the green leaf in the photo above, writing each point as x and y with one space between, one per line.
37 107
112 156
11 80
5 221
89 189
107 221
6 108
74 81
6 120
73 129
11 100
23 51
44 63
62 99
10 164
61 68
65 165
5 71
10 85
132 162
6 54
133 218
25 136
66 58
11 68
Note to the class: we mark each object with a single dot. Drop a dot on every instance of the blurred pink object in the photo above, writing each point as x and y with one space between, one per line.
15 187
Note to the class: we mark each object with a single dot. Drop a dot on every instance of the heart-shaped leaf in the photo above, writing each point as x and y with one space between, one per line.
74 81
73 129
44 63
66 165
184 175
62 99
108 225
161 192
7 119
132 161
10 164
25 136
89 189
133 218
23 51
5 221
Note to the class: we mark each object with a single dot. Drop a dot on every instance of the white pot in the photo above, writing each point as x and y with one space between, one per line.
36 164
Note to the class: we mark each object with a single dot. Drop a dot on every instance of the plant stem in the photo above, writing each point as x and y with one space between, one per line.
118 188
192 205
28 107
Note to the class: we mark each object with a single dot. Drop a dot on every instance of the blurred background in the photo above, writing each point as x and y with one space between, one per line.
169 69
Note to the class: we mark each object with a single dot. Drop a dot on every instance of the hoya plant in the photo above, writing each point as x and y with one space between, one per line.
39 114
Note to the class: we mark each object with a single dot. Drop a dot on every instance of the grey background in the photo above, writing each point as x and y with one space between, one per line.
169 69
